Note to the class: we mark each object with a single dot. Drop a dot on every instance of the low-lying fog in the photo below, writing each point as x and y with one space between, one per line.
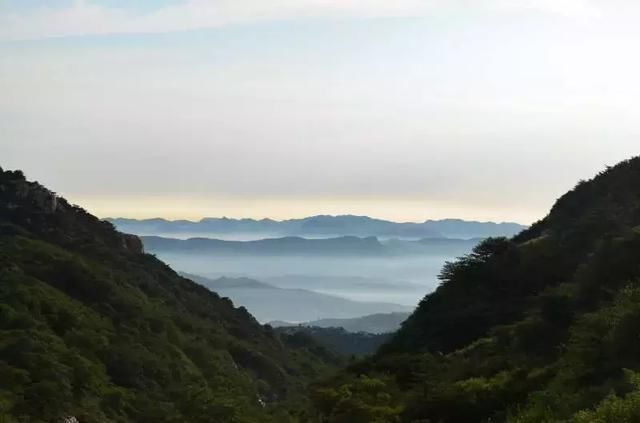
302 278
401 280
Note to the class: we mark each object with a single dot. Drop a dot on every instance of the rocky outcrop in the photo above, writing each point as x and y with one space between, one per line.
31 193
132 243
44 199
30 205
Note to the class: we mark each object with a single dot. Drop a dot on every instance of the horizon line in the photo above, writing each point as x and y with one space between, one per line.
312 216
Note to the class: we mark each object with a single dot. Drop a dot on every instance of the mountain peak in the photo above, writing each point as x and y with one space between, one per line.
39 210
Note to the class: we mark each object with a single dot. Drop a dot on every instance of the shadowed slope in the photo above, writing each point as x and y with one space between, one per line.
90 326
541 327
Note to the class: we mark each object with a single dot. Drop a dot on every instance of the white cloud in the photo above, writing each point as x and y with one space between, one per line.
570 8
85 18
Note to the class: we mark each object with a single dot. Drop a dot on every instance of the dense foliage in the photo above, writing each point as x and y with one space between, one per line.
92 327
339 340
543 327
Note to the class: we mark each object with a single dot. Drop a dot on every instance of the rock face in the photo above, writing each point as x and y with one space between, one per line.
132 243
16 192
35 194
29 204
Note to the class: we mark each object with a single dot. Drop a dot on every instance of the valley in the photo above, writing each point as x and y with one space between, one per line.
302 279
319 211
535 327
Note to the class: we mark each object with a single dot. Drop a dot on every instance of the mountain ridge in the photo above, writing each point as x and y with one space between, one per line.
268 302
94 328
339 246
286 245
322 225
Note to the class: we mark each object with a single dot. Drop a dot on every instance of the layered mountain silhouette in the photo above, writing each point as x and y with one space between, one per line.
342 246
275 246
360 269
317 227
268 302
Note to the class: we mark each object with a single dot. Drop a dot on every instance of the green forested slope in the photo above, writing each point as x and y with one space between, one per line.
92 327
544 327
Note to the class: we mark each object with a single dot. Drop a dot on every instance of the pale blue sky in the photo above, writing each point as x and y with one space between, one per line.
406 110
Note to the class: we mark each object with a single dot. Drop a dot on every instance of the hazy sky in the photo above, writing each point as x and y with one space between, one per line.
404 109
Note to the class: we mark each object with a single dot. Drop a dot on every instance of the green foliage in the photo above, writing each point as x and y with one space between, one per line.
338 340
462 309
361 400
539 328
93 328
615 409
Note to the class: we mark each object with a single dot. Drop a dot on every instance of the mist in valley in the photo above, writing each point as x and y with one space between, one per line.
298 280
320 267
402 280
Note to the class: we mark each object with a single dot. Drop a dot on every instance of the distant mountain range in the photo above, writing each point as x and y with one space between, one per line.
325 283
268 303
373 323
344 245
287 245
316 226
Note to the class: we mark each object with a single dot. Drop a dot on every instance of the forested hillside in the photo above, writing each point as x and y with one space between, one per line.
92 327
344 343
543 327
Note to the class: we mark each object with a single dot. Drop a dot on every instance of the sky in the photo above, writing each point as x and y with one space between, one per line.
406 110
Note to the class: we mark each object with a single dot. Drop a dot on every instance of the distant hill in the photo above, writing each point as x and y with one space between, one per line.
345 245
359 269
337 283
268 303
274 246
373 323
316 226
432 246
